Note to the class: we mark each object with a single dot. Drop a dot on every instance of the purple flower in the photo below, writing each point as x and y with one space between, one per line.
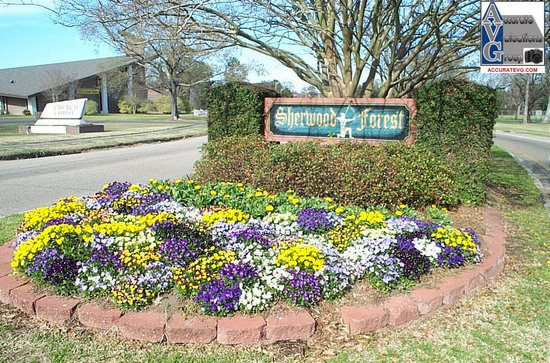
53 267
451 257
151 203
116 189
101 255
235 236
176 252
239 272
316 220
414 263
301 288
72 219
218 297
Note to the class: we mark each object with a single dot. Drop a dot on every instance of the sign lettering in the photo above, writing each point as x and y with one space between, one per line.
294 119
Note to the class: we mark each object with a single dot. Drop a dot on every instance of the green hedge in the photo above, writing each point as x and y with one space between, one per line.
356 173
455 121
236 109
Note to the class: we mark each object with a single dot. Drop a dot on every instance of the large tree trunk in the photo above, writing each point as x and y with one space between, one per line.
526 117
174 100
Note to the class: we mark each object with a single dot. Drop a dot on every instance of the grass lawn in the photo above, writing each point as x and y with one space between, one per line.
507 123
508 321
120 129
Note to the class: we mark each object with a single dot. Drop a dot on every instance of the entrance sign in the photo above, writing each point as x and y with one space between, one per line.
337 119
512 37
64 117
64 113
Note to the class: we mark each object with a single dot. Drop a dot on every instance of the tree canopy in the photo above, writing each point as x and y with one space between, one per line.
353 47
344 48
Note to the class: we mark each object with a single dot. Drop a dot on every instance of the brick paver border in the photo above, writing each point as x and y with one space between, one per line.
253 330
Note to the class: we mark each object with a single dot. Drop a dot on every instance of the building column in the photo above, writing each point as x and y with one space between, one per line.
32 105
104 94
2 105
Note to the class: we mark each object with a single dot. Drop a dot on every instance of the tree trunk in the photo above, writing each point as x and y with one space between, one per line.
546 118
174 100
526 108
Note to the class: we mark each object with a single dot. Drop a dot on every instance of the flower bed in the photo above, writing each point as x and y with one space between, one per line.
229 247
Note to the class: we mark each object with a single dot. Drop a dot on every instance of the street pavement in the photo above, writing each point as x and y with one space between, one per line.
31 183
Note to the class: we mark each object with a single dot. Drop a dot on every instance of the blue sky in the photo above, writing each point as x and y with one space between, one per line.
29 36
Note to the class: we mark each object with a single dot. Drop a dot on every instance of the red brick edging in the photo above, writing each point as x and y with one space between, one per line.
250 330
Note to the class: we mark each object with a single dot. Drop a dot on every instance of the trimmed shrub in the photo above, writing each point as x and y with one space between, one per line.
91 108
236 109
351 173
455 121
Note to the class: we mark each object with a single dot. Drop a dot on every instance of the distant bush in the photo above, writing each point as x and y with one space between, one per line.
91 108
27 112
130 105
356 173
236 110
455 120
163 104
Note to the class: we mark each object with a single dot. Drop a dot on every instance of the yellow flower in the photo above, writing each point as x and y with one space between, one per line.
197 187
398 213
190 181
269 208
213 192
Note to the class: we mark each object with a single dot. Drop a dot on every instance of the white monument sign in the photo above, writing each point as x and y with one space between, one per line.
65 113
64 117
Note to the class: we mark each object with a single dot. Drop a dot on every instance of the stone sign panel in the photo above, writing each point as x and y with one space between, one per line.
64 113
335 119
64 118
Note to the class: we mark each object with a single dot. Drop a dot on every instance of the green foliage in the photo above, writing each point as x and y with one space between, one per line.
236 109
455 121
91 108
129 105
26 112
353 173
164 105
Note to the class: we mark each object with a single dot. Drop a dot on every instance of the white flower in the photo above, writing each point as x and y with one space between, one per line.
427 247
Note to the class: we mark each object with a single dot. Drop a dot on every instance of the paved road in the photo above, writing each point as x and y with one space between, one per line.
533 153
30 183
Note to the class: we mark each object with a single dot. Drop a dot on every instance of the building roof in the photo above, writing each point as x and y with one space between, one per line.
22 82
